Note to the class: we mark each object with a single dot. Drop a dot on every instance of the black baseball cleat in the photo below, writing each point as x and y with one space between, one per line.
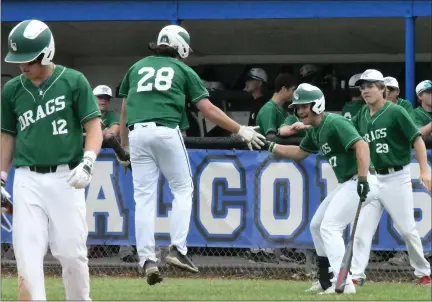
183 262
152 272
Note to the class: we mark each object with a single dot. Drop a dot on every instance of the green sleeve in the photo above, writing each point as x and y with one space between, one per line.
266 120
407 105
346 132
289 120
124 86
355 119
112 119
195 88
85 101
307 144
8 116
406 124
184 123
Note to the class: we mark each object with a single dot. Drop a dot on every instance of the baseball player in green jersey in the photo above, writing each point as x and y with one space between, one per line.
293 126
155 89
348 155
43 112
390 133
272 115
352 107
110 119
392 93
422 115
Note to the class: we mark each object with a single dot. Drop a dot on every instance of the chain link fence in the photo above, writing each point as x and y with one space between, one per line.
293 264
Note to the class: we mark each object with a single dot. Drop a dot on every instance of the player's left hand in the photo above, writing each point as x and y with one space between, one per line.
298 126
362 187
425 179
80 177
251 137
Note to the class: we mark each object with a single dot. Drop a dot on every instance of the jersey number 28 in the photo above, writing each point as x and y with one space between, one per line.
160 79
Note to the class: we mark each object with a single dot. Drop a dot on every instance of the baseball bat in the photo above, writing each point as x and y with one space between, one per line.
346 261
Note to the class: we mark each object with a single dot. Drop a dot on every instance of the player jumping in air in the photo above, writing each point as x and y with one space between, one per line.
390 133
43 112
348 154
154 91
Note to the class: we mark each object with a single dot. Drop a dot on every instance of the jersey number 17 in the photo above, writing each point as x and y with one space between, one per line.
160 79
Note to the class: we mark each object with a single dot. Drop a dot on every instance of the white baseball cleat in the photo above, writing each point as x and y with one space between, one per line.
349 289
315 288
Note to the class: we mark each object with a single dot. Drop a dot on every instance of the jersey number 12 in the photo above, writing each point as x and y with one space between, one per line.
59 127
160 79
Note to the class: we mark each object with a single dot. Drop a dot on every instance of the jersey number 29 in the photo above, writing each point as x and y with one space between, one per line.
162 81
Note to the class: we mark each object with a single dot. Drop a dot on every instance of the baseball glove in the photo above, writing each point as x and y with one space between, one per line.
122 155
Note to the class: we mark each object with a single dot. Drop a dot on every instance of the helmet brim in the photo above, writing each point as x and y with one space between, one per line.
21 57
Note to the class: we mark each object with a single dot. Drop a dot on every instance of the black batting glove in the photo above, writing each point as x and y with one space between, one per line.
362 187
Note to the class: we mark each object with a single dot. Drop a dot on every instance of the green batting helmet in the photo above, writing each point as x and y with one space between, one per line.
308 94
28 40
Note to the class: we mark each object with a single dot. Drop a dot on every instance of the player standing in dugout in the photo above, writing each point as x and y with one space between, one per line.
155 89
348 155
392 93
351 108
390 133
43 112
422 115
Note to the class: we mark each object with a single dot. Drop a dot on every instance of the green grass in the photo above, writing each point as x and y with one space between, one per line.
219 289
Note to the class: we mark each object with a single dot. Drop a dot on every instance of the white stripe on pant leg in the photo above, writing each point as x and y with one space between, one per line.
145 174
398 199
174 164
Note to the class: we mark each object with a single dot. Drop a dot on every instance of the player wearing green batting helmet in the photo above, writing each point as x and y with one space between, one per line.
306 94
30 40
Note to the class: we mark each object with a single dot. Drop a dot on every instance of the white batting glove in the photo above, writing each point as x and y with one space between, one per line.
80 177
251 137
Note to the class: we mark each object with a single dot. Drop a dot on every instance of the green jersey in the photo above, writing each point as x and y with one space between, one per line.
390 133
405 104
351 108
110 118
334 137
270 117
47 120
156 88
290 120
421 117
184 122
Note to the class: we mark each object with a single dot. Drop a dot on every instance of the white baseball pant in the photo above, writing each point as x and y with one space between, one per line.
396 196
333 215
47 211
155 149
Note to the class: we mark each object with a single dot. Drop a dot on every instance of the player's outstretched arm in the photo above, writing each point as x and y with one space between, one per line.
290 152
219 117
426 130
124 140
421 154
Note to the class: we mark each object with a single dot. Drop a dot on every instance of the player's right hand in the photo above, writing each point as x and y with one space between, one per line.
425 179
80 177
362 187
251 137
